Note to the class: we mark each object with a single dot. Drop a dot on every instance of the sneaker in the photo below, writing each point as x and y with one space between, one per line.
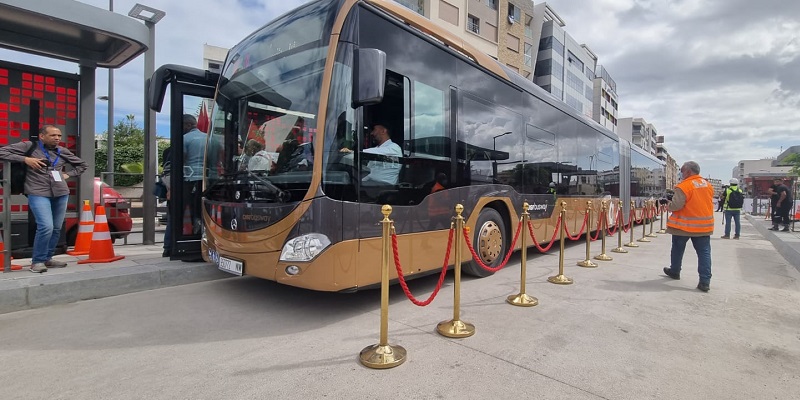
725 237
774 228
38 268
786 229
703 286
673 275
736 237
55 264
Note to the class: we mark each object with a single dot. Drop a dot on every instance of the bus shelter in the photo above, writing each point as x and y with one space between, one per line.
65 30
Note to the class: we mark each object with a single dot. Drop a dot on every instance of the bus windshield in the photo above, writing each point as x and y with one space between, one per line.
264 117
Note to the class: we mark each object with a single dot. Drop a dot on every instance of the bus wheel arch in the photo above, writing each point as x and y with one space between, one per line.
490 239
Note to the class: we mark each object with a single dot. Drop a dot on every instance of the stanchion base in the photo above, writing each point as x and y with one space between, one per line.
662 231
380 357
603 257
652 235
644 239
631 244
455 329
619 250
522 300
560 280
586 264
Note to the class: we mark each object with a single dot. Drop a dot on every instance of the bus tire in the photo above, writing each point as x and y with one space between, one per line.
490 242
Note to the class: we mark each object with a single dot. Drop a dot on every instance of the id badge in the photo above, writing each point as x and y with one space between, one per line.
56 175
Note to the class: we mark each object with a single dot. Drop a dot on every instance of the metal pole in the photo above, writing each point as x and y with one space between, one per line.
620 225
588 263
456 328
522 299
383 355
150 169
6 216
110 137
561 279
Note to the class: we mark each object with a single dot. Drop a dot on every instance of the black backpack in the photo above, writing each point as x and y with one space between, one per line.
735 199
18 171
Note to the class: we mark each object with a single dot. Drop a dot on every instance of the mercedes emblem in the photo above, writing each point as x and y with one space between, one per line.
234 224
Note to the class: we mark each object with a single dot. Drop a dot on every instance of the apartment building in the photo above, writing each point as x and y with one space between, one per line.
563 67
605 106
500 28
639 132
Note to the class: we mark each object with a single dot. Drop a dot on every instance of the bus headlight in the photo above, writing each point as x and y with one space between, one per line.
305 247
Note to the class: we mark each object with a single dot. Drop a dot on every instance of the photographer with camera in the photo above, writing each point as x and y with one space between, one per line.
692 218
46 188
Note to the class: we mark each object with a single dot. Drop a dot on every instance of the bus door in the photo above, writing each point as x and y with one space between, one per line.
191 93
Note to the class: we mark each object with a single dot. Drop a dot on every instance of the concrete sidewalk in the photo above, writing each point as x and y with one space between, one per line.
143 268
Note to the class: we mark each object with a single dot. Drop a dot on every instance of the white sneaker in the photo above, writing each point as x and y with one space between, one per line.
38 267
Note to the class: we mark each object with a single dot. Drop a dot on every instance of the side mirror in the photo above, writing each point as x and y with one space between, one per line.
369 77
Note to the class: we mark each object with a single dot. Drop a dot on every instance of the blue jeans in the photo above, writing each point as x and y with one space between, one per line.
735 214
49 213
702 245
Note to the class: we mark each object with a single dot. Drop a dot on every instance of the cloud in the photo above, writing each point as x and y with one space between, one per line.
718 78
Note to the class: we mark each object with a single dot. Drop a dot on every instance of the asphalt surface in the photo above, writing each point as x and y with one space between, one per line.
621 331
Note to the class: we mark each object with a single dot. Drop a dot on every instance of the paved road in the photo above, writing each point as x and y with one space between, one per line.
622 331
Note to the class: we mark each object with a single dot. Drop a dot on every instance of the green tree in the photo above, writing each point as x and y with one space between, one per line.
794 161
128 149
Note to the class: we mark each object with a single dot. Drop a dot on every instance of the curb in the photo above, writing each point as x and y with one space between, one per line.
788 246
41 291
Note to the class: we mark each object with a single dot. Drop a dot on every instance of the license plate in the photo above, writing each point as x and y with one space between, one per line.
232 266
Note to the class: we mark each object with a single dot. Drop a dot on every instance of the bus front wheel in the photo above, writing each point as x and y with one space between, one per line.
489 241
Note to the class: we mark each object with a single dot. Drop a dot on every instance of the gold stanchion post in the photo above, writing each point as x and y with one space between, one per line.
456 328
620 224
633 221
383 355
644 224
560 279
522 299
652 219
661 224
603 228
588 263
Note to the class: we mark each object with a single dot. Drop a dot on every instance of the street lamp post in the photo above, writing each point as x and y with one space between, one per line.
150 16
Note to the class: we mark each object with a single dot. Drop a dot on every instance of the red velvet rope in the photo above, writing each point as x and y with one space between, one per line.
640 219
478 259
580 232
402 279
552 239
612 230
631 216
599 226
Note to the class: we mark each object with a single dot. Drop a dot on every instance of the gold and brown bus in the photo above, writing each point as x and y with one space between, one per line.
286 195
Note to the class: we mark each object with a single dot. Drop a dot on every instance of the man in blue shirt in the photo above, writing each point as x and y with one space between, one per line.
194 150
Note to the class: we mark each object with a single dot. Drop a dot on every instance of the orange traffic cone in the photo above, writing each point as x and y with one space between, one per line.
187 221
102 250
83 242
3 259
797 213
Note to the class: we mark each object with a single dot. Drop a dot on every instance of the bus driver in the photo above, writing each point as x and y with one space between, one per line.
384 167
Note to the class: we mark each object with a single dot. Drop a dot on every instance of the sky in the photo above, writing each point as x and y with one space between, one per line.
720 79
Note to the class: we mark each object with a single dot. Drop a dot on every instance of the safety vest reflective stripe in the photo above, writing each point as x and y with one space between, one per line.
691 225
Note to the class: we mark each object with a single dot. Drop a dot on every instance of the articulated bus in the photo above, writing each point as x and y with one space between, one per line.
284 192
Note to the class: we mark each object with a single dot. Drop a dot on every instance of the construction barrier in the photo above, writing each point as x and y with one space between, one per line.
83 242
102 249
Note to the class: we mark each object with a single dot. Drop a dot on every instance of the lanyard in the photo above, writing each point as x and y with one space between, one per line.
47 155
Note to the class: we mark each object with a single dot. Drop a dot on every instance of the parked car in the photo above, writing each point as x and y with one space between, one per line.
117 213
